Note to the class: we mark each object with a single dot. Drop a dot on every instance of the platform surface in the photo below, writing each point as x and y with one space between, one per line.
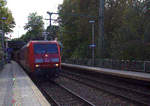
17 89
121 73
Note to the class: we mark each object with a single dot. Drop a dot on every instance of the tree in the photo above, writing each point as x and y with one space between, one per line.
8 24
126 28
74 24
34 27
127 39
52 32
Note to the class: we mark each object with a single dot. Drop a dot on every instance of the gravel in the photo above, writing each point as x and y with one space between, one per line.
61 96
97 97
114 86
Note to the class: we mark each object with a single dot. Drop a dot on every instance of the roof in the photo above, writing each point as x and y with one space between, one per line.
16 44
42 41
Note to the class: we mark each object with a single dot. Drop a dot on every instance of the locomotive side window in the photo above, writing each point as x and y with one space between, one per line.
45 48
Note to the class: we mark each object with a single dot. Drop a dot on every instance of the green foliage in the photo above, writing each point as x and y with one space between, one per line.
34 27
129 39
52 32
75 27
126 24
8 23
34 22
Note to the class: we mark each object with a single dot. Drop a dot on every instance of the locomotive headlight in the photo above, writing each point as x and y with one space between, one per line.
57 65
37 65
55 59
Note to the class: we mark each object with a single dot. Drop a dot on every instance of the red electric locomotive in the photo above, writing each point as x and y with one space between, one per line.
41 58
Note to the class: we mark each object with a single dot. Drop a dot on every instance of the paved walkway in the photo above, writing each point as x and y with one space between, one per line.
17 89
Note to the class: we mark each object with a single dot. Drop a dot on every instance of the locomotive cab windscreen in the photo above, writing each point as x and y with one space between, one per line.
46 53
45 48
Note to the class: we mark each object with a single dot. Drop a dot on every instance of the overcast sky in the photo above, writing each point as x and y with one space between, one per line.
21 9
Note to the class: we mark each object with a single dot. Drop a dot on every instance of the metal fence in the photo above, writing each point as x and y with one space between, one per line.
142 66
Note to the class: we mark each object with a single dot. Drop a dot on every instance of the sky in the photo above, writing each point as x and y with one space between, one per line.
21 8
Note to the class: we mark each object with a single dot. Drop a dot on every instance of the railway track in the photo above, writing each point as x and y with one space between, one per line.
129 93
59 95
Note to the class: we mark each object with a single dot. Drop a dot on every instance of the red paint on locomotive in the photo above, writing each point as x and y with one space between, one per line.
41 57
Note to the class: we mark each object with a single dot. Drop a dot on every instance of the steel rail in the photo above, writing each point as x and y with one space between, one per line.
50 98
109 91
75 94
110 84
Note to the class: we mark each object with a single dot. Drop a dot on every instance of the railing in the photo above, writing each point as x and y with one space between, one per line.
142 66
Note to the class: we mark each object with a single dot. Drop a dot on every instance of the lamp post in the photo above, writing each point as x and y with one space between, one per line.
93 45
50 21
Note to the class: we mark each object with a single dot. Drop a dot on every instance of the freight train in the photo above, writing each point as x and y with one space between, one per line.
40 58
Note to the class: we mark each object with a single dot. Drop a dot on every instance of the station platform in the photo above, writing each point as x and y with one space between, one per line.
120 73
17 89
